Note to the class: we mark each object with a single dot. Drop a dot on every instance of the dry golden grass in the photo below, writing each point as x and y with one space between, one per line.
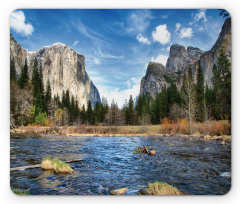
168 127
158 188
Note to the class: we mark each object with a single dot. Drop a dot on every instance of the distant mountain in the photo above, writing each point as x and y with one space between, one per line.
156 77
62 66
180 59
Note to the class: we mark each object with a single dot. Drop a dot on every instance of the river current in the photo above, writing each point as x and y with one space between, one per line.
194 167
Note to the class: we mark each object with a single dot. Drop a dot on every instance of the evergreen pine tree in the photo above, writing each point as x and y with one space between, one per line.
163 103
89 113
72 110
47 97
12 70
222 86
67 100
23 79
83 114
35 77
200 97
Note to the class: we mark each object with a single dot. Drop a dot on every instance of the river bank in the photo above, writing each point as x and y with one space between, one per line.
206 131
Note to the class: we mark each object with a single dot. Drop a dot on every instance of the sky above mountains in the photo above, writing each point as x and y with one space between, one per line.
117 44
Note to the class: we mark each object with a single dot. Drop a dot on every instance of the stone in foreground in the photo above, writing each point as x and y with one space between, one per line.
143 192
57 165
159 188
119 191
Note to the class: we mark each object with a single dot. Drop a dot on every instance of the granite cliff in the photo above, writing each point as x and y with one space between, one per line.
180 58
156 77
62 66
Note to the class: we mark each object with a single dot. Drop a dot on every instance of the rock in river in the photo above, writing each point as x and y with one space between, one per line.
143 192
119 191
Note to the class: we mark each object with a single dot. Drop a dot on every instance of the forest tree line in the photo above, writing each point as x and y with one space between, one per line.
31 102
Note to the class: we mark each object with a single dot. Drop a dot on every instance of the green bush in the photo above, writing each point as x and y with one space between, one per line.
41 118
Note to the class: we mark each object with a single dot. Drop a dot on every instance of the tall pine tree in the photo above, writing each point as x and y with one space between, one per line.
12 70
200 97
23 79
222 85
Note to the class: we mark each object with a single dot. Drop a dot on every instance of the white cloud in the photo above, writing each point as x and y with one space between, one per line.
142 39
178 25
75 42
101 57
96 61
17 23
186 33
106 55
161 34
160 59
96 79
164 16
132 81
120 96
201 15
88 32
138 21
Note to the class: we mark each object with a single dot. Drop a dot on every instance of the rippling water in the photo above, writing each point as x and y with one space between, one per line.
194 167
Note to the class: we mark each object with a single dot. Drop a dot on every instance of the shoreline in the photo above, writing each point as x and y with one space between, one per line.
47 131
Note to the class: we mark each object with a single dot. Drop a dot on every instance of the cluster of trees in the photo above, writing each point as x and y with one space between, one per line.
31 103
73 115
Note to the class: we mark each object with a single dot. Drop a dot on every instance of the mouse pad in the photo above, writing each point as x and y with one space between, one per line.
120 102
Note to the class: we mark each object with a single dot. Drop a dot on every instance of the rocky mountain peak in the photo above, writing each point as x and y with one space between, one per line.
194 52
156 77
180 58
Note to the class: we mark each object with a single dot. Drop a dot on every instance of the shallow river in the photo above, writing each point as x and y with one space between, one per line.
193 167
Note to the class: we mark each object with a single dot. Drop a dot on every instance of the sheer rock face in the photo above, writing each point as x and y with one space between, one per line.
208 59
65 69
180 58
155 79
18 54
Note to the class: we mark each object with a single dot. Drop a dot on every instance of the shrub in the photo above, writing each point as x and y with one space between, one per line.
41 119
183 126
166 126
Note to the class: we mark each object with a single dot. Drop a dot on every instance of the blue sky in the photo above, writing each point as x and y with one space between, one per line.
117 44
